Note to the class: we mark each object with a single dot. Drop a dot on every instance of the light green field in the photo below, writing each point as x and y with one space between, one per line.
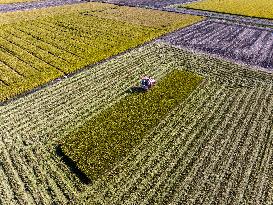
14 1
213 148
253 8
36 47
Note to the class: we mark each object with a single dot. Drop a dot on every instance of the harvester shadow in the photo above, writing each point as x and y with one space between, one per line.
135 89
72 166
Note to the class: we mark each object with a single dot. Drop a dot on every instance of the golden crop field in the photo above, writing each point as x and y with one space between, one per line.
40 46
253 8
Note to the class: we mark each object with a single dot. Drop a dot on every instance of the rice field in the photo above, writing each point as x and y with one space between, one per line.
38 51
202 135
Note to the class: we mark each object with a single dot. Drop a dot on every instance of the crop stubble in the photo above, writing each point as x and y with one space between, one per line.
198 137
250 45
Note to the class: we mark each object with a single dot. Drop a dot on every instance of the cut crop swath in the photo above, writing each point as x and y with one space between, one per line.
109 136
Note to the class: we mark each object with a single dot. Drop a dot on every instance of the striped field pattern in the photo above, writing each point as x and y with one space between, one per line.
48 46
247 44
214 148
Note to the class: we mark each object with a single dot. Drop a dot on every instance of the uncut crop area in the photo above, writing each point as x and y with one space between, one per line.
214 148
54 42
246 44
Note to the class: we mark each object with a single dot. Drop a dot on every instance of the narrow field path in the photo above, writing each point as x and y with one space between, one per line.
159 4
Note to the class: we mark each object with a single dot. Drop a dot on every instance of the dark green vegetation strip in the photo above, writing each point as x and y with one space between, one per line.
110 135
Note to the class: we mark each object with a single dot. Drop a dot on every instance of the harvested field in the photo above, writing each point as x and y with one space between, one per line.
216 146
253 8
37 51
147 3
247 44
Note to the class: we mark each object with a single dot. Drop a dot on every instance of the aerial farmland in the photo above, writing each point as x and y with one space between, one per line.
77 127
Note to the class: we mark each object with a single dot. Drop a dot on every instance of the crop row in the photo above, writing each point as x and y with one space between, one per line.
40 120
35 52
214 149
250 45
35 176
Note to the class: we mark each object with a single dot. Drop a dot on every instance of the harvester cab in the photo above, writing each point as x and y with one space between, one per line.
147 83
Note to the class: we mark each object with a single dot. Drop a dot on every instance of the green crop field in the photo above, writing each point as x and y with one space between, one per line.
253 8
43 48
225 122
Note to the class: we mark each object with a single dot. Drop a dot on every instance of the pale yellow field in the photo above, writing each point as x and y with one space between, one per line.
254 8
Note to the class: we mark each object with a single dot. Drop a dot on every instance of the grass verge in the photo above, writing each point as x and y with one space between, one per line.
109 136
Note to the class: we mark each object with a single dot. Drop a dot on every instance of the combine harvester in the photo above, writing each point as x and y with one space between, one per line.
147 83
